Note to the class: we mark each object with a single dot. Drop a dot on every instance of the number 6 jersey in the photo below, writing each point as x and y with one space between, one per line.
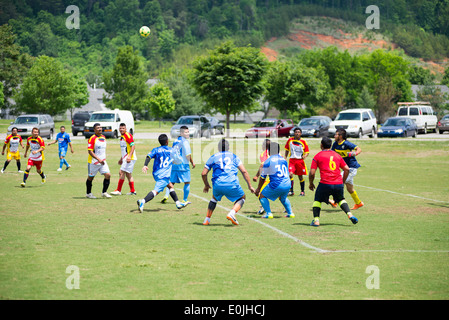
329 162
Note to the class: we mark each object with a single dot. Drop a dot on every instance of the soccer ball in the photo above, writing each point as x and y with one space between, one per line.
144 31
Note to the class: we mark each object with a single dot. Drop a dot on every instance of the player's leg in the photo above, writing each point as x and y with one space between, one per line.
287 205
186 193
338 194
121 181
302 170
132 190
302 184
40 171
26 173
106 182
321 195
266 206
350 187
6 164
291 170
210 210
238 204
174 196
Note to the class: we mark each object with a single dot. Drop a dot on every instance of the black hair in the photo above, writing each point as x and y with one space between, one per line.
326 142
297 128
61 127
14 128
122 124
163 139
96 125
342 133
184 128
223 145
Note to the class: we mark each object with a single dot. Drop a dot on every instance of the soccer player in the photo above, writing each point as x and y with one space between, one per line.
127 161
262 157
348 151
162 167
63 140
278 184
180 173
37 146
11 145
331 181
96 162
225 166
299 151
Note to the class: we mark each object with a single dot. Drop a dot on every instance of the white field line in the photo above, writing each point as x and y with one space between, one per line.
316 249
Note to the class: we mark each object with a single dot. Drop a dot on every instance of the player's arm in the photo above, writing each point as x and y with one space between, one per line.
131 152
258 172
147 162
4 146
71 147
259 187
93 155
355 152
205 180
246 177
345 172
312 178
26 150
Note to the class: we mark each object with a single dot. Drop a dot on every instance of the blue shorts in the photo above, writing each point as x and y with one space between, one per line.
62 152
180 176
273 194
161 184
232 192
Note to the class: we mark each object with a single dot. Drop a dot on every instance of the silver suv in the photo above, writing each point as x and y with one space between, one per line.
25 123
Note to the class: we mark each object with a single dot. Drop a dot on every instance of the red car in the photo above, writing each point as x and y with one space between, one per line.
271 128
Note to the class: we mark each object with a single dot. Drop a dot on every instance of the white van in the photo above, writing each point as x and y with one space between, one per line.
356 122
110 122
421 113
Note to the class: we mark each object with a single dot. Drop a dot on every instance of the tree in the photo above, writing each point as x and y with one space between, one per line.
126 82
365 99
230 78
161 101
445 80
48 88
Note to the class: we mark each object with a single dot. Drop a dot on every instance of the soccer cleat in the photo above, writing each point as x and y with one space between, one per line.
354 220
356 206
261 210
302 194
290 215
106 195
291 193
68 167
59 169
131 193
315 223
268 216
206 221
140 205
20 171
43 179
3 170
231 218
22 184
90 196
332 203
164 200
116 193
180 205
186 203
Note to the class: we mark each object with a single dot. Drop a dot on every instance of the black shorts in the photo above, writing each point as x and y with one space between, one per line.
324 191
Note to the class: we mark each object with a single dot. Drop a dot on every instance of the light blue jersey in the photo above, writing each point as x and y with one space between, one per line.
63 140
276 167
225 168
184 150
162 165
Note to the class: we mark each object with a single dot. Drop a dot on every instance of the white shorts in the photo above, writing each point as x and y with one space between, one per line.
93 169
128 167
352 174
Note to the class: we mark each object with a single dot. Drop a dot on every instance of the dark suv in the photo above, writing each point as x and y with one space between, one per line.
78 121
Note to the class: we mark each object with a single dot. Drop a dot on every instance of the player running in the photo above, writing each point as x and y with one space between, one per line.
96 162
278 184
225 166
331 182
37 146
127 161
11 145
63 140
299 151
162 167
180 173
348 151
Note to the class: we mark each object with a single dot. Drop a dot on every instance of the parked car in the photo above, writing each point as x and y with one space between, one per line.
315 126
110 122
79 120
398 127
198 126
420 112
271 128
443 124
356 122
216 126
25 124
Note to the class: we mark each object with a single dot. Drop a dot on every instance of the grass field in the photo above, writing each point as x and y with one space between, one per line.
165 253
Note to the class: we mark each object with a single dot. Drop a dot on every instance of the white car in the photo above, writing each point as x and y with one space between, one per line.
356 122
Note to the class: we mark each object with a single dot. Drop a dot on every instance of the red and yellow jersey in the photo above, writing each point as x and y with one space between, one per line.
12 143
329 162
296 148
98 146
264 156
35 144
126 142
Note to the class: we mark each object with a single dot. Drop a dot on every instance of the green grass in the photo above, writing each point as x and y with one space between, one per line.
166 253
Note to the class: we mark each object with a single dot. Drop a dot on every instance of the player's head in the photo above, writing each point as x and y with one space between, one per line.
297 132
14 131
122 128
326 143
62 129
274 148
184 132
98 129
35 132
223 145
266 144
163 139
340 135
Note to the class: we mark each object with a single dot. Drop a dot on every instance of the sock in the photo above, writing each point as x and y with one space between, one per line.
292 183
6 164
302 183
355 197
65 162
18 165
106 185
345 207
173 195
88 186
25 176
42 175
61 162
186 191
316 210
167 193
131 186
287 205
232 213
149 196
120 184
265 204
